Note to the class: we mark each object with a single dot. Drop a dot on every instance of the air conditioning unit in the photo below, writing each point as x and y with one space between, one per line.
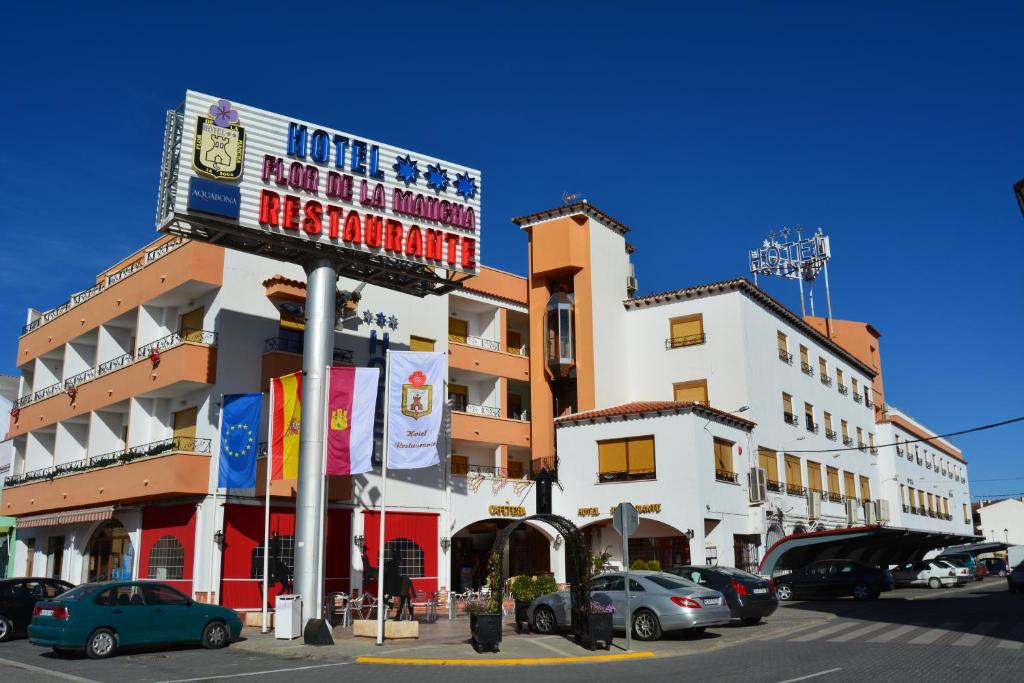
870 516
758 485
882 511
851 512
814 505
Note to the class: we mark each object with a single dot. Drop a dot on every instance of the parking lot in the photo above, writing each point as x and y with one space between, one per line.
978 621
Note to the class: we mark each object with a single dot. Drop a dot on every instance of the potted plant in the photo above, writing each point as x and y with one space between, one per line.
524 592
597 624
485 617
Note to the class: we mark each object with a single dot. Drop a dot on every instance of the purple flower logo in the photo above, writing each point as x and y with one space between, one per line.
222 113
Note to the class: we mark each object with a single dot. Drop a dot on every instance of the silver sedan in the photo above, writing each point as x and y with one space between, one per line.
659 602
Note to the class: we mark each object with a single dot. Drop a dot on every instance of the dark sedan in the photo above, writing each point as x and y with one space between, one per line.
750 598
19 596
1015 579
834 579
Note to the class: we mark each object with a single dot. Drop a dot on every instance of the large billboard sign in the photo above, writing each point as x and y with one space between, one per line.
283 181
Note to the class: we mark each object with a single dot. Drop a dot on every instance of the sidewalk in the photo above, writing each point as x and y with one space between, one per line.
448 642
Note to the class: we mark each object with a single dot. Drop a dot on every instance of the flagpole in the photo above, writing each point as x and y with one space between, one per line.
213 523
266 507
383 500
320 573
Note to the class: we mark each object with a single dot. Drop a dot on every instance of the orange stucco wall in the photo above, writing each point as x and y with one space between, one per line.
490 430
186 362
561 244
858 338
160 476
338 488
500 284
510 365
194 261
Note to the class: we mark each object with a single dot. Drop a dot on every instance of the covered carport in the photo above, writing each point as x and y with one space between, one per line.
975 549
872 545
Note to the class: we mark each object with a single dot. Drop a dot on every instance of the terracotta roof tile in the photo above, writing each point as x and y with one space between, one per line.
570 209
644 407
744 285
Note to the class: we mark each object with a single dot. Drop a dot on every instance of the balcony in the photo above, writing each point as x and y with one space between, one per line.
835 497
826 380
487 358
490 428
863 447
796 490
785 357
830 435
906 508
169 264
807 369
867 402
776 486
811 426
858 398
847 441
726 476
187 358
873 450
843 389
899 451
283 356
633 475
173 467
790 418
688 340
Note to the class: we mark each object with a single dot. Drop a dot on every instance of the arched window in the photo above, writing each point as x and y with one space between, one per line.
111 556
409 554
167 559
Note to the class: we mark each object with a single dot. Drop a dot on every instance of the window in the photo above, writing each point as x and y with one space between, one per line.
809 422
853 382
695 391
768 460
850 485
865 489
408 554
814 476
871 441
839 383
162 595
623 459
967 517
823 370
931 503
787 409
829 433
121 596
723 460
167 559
457 393
513 341
460 465
458 330
860 438
420 344
281 561
846 432
920 500
903 494
794 478
515 469
784 355
833 483
805 361
686 331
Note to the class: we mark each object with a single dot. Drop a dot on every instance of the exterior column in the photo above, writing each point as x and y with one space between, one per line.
503 396
503 328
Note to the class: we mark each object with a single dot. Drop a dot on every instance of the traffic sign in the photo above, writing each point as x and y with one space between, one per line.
625 519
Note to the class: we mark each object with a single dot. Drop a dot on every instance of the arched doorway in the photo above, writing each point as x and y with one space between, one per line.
110 555
529 552
652 541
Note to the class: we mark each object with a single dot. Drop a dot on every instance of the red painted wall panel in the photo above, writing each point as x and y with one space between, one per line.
178 521
419 527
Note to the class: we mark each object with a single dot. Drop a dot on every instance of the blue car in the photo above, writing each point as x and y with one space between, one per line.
101 618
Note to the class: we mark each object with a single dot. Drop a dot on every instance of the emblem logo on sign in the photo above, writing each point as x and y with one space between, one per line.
339 420
220 143
417 396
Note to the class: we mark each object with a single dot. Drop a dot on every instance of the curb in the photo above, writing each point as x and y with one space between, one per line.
504 662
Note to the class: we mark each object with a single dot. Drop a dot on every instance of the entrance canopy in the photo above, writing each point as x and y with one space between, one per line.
873 545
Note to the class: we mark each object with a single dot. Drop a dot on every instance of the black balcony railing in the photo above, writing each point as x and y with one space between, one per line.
776 486
830 435
847 441
906 508
843 389
174 444
633 475
807 369
186 334
790 418
858 398
295 345
873 450
785 357
811 426
826 380
726 475
835 497
796 490
688 340
899 451
867 402
862 446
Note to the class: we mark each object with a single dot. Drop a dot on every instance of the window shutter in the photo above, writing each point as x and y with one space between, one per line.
691 392
420 344
641 454
687 327
611 456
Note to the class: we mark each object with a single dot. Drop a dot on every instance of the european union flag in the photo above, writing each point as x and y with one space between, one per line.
239 434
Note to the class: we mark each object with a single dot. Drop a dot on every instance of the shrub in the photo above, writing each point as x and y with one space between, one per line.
639 565
654 565
523 588
543 585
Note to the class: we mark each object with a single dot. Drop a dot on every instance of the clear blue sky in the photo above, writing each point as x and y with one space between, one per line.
895 126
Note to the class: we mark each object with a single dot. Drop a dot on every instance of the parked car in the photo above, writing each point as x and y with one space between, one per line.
1015 579
996 566
925 573
978 570
101 618
750 598
19 596
962 572
833 579
659 601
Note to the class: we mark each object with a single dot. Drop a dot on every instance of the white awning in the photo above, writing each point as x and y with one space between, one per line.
66 517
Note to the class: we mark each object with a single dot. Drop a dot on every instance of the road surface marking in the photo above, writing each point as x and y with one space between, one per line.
933 634
253 673
850 635
48 672
815 675
494 662
1014 637
975 636
821 633
889 636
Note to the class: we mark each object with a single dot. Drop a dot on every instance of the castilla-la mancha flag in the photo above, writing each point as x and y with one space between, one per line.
415 408
285 420
351 408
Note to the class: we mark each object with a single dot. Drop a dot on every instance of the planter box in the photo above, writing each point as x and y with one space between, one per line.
486 631
597 628
522 617
367 628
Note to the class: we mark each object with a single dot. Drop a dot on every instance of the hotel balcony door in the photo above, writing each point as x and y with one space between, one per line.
192 325
185 427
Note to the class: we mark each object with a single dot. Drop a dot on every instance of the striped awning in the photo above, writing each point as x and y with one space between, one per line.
67 517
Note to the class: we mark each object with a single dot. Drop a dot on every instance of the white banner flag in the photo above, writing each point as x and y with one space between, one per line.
415 408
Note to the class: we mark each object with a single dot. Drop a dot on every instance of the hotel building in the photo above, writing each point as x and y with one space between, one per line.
727 419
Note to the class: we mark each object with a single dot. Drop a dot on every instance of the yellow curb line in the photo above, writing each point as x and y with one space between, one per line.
502 662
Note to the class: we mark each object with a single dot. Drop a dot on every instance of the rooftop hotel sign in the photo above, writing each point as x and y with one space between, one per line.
260 174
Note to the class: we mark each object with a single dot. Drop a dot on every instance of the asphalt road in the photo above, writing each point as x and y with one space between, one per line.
974 633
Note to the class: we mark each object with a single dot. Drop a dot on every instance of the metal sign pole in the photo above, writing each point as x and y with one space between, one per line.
629 612
318 342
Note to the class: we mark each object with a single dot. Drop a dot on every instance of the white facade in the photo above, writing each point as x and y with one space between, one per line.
1003 521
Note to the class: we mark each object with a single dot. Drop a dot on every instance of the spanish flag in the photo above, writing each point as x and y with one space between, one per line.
286 412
